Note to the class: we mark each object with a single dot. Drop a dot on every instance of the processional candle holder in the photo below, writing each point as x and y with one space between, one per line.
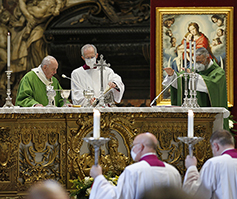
8 103
96 143
190 141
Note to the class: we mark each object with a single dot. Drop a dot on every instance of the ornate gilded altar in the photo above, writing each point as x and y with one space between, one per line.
43 143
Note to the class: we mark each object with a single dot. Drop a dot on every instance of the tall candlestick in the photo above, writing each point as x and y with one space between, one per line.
8 50
190 123
185 54
96 124
190 55
194 55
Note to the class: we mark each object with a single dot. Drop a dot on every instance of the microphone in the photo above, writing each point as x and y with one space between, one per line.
64 76
165 89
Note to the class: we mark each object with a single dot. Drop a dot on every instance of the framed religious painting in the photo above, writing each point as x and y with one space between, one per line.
213 30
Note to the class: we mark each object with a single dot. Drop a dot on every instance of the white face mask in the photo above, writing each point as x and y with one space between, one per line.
134 155
91 62
200 67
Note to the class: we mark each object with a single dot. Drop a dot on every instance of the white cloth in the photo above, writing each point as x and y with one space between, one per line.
136 179
200 83
217 179
90 79
39 72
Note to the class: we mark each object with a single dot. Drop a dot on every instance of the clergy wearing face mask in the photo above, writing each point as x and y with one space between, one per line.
88 77
218 177
210 84
146 174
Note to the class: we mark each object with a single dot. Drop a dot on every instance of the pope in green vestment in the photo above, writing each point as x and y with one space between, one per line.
215 82
32 87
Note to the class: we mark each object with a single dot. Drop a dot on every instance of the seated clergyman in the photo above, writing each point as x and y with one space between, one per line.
32 90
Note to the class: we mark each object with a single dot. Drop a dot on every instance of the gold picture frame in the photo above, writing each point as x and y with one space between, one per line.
173 21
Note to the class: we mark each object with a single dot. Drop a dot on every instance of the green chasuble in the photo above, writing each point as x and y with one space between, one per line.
32 91
215 81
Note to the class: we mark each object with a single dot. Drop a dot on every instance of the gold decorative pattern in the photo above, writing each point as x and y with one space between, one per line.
41 152
80 163
43 146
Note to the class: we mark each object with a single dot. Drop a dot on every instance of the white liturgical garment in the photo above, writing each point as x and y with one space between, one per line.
135 180
90 79
217 179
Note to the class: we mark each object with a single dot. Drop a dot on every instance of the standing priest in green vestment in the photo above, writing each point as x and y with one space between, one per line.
32 88
210 85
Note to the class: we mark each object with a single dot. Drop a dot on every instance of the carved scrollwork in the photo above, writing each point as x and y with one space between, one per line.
54 148
42 154
118 127
170 149
104 12
5 146
8 158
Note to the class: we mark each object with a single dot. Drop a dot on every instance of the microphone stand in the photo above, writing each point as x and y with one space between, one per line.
165 89
64 76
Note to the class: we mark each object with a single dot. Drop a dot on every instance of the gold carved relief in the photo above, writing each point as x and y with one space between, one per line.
117 127
128 125
42 146
42 152
167 131
5 146
8 159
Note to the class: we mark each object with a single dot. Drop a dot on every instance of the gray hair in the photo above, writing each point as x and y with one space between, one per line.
85 47
47 60
202 51
223 137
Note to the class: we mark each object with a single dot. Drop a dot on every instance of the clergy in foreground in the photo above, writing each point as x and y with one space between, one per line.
87 77
47 189
146 174
218 176
32 88
211 83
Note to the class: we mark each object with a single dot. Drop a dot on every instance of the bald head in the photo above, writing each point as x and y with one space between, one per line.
147 139
48 189
142 144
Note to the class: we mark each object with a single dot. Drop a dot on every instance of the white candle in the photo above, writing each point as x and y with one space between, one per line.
190 55
8 50
194 55
96 124
190 123
185 54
